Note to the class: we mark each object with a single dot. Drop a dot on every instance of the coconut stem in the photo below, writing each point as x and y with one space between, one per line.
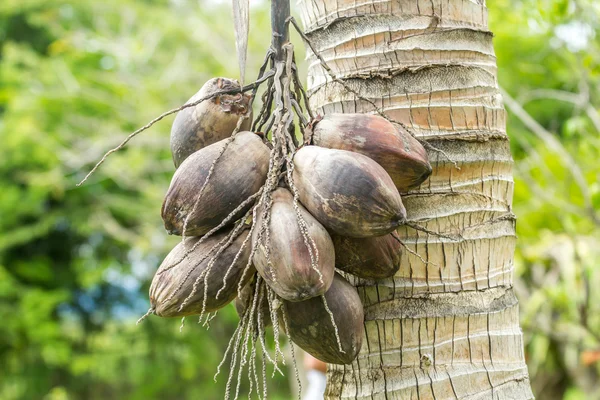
335 327
143 317
411 251
280 12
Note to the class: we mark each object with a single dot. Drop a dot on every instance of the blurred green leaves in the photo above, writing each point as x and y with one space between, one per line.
75 263
548 61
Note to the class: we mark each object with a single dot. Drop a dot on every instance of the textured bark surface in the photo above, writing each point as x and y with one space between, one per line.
447 328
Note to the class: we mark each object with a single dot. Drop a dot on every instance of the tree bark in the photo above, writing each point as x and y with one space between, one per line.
448 327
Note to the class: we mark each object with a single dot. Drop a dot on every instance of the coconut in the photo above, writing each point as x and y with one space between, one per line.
311 328
292 274
172 286
239 173
398 152
210 121
347 192
376 257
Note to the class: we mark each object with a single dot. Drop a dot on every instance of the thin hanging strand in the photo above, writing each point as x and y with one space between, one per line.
291 343
210 233
143 317
411 251
335 327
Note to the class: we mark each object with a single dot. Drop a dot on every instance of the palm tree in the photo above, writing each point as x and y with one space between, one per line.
447 325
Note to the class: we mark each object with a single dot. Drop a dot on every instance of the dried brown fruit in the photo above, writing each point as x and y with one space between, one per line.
239 173
347 192
291 274
210 121
311 328
376 257
169 289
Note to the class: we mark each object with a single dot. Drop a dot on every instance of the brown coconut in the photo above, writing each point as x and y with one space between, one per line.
165 284
210 121
347 192
376 257
310 325
398 152
239 173
291 275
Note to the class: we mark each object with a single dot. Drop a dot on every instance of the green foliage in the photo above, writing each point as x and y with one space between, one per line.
548 60
75 263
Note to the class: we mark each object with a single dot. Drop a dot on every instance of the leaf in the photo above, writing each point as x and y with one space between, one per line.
241 25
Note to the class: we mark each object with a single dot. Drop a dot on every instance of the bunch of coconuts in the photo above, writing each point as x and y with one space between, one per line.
337 207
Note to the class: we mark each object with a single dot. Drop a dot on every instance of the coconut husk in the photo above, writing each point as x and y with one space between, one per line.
239 173
376 257
311 328
292 274
347 192
172 286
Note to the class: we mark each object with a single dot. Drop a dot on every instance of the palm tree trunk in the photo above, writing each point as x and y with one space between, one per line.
447 325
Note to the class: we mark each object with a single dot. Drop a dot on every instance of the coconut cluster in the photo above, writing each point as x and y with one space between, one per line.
274 241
